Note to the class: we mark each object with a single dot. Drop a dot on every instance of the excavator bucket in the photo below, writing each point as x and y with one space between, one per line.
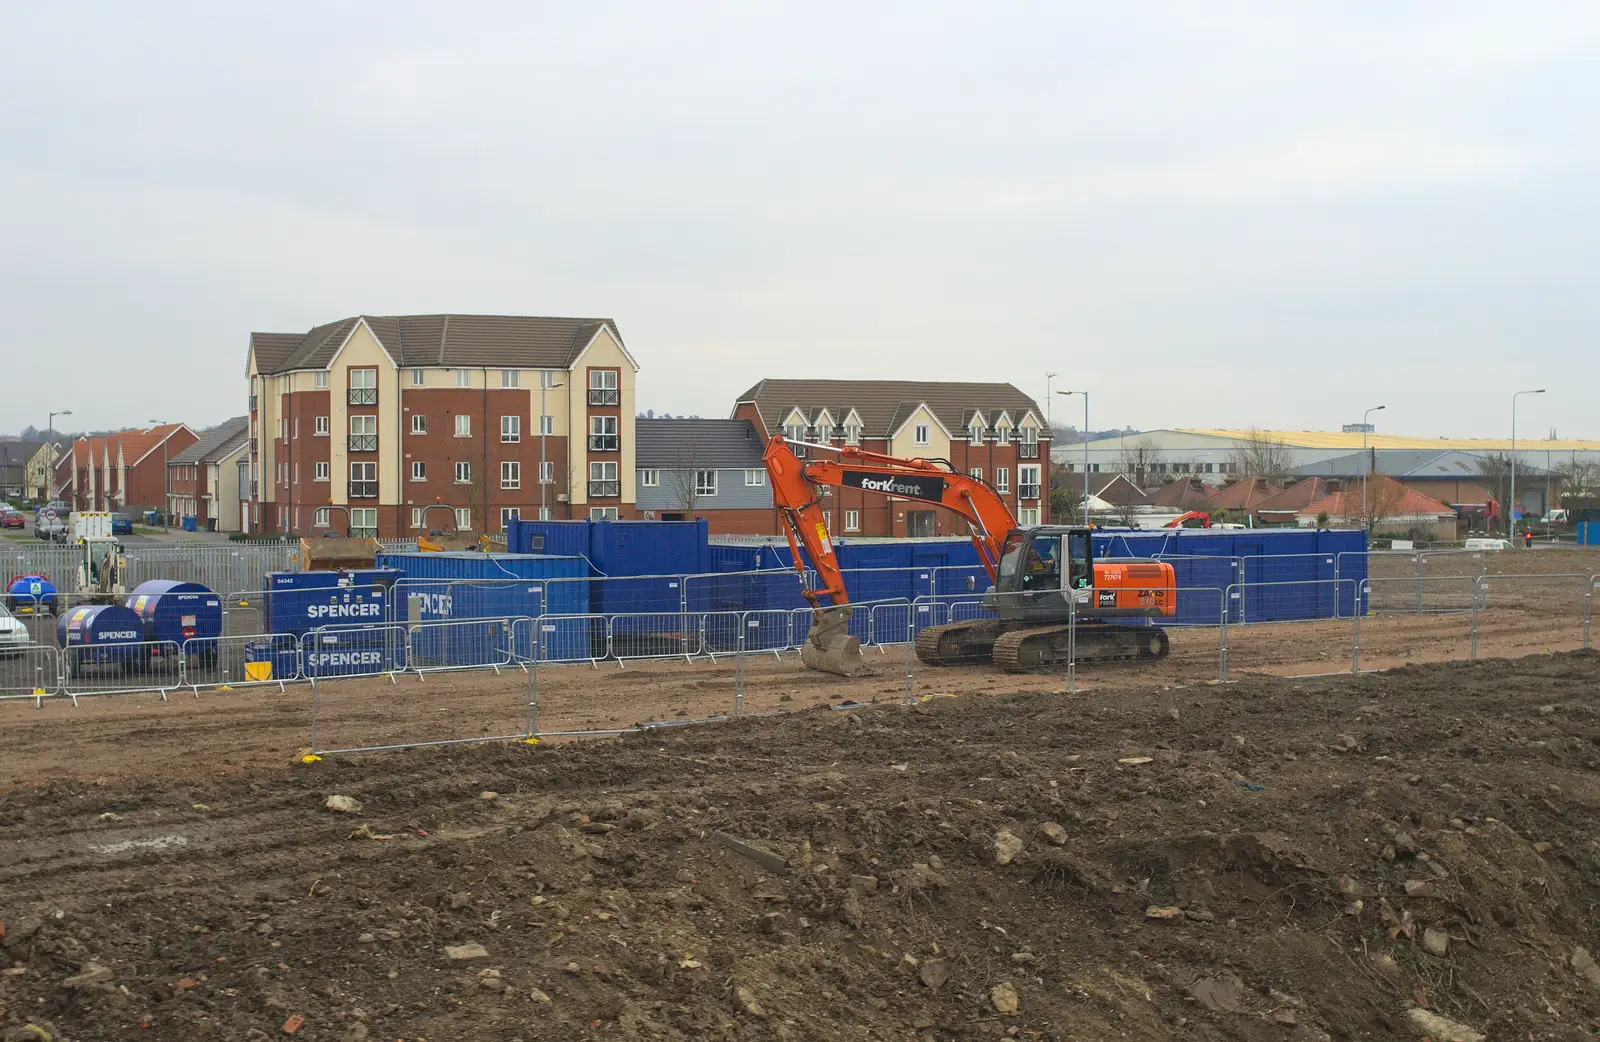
830 647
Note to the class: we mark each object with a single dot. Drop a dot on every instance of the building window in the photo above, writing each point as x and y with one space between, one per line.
320 380
544 513
297 474
1002 435
794 432
824 431
603 387
1002 479
416 518
463 378
919 434
755 478
705 482
296 434
416 378
977 472
508 515
463 425
547 378
463 519
322 426
852 434
364 480
1028 482
510 474
649 479
547 425
419 423
364 433
363 387
852 520
319 517
419 470
508 378
510 429
1028 516
603 433
602 513
463 472
603 471
322 470
547 472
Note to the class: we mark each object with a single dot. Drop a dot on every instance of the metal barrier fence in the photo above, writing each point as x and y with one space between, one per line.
354 651
246 660
32 673
120 669
437 647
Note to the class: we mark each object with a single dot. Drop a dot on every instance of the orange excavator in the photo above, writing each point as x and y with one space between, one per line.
1044 578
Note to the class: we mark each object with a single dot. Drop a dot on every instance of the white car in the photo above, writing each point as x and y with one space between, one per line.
14 636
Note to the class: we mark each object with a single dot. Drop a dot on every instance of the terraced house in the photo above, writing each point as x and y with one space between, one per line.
399 425
990 430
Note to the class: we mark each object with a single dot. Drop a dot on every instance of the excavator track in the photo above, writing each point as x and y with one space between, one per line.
1037 647
958 643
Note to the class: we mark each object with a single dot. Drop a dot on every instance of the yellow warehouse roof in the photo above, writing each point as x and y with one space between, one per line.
1352 441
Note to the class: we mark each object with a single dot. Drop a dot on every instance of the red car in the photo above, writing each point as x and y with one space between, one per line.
12 519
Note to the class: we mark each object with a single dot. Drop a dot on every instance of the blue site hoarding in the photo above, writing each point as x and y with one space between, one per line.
297 602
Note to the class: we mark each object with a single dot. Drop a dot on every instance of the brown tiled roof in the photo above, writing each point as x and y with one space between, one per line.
884 405
1184 494
1295 497
216 444
494 341
1246 495
1347 503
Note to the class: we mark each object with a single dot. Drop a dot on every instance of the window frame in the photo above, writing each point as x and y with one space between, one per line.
852 520
510 379
614 383
321 517
604 465
650 477
419 423
323 427
514 435
463 472
755 478
463 378
547 472
1002 480
419 470
463 429
356 378
701 487
921 433
417 377
319 380
510 474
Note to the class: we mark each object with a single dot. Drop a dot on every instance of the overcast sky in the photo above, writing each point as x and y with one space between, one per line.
1206 214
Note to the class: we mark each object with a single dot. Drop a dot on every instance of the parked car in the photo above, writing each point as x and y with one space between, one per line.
13 519
121 524
14 636
53 529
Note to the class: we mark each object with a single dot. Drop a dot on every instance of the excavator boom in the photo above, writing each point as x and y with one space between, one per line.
796 491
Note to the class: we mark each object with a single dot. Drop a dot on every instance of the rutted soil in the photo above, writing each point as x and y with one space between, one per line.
1331 858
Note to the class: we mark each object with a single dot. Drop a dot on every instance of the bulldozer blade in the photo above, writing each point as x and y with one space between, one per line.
830 647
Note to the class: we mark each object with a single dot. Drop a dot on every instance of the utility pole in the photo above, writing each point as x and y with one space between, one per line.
1366 464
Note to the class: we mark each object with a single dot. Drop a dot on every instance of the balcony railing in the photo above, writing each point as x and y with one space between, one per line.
1027 491
363 396
363 490
363 443
253 403
1028 450
605 489
603 443
605 396
358 532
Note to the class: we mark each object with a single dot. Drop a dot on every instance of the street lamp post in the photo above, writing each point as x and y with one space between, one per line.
50 476
544 385
166 480
1365 466
1085 437
1511 506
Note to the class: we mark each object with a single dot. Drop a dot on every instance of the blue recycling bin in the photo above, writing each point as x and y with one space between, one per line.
150 518
191 523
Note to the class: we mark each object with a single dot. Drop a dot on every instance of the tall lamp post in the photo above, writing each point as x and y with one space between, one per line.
1085 437
1511 507
166 480
1365 466
545 385
50 478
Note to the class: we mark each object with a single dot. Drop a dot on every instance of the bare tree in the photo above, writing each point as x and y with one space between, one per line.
1494 473
1138 459
1384 496
1258 455
1578 477
683 479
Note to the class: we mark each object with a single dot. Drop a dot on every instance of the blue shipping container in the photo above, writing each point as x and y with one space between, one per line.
559 538
301 601
618 547
178 611
486 586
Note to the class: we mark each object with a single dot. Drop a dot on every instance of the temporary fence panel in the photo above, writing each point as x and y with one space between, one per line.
461 644
344 651
245 660
562 638
244 613
105 669
298 602
771 590
634 594
653 635
33 672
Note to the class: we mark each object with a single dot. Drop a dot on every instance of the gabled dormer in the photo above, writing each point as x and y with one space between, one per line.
1003 429
976 428
853 428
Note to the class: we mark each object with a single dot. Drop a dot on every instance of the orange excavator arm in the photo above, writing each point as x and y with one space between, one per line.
796 491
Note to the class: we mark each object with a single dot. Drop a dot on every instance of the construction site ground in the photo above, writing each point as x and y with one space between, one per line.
1400 855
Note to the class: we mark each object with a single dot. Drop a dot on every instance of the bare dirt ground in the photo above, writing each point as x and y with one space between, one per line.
1155 857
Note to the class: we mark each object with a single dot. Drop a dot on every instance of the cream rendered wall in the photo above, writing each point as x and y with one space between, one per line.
362 351
904 441
602 352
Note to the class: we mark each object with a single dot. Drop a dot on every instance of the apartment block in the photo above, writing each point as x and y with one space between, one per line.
399 425
991 431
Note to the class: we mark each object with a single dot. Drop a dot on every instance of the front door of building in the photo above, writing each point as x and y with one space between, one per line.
919 524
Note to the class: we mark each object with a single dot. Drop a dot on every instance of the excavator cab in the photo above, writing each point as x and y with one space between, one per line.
1040 568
